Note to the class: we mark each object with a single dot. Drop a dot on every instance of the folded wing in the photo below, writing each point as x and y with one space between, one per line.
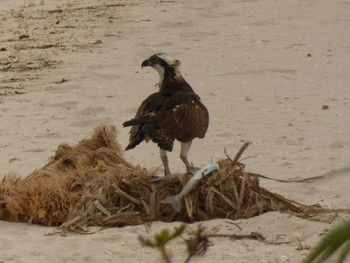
163 119
184 117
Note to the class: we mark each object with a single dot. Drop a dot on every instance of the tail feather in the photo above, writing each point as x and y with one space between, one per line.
133 144
142 120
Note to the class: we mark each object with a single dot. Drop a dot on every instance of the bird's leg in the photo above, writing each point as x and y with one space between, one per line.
185 147
164 158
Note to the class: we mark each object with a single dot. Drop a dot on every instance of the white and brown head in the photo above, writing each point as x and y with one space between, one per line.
166 66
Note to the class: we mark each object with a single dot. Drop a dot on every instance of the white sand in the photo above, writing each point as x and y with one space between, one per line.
249 62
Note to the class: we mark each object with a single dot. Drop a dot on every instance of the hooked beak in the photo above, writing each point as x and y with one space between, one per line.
145 63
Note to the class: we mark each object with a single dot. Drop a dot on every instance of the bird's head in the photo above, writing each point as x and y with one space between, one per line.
163 64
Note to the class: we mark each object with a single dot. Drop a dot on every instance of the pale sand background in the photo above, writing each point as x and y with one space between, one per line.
249 62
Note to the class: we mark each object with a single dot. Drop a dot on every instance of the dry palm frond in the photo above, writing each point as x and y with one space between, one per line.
92 184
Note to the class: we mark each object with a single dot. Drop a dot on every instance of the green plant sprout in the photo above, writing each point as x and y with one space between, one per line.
160 240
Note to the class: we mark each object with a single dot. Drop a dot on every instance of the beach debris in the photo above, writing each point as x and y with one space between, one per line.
11 160
23 36
20 92
63 80
92 184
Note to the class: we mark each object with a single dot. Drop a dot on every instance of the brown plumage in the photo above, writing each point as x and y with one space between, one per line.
173 112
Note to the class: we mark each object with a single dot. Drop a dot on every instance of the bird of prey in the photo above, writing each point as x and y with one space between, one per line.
173 112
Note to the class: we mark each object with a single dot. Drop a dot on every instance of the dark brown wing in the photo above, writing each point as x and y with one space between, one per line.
163 139
184 117
142 110
151 104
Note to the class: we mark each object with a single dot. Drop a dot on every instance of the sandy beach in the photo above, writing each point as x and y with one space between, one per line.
275 73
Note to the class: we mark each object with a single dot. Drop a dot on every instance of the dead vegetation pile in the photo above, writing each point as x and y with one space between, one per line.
92 184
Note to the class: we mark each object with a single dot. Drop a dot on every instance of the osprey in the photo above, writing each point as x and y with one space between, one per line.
173 112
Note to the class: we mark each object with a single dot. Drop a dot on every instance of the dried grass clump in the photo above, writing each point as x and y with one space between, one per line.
92 184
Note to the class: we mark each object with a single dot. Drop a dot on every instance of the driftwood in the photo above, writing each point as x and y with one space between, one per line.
92 184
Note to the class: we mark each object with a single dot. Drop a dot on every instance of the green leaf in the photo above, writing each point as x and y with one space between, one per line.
336 239
178 231
344 252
